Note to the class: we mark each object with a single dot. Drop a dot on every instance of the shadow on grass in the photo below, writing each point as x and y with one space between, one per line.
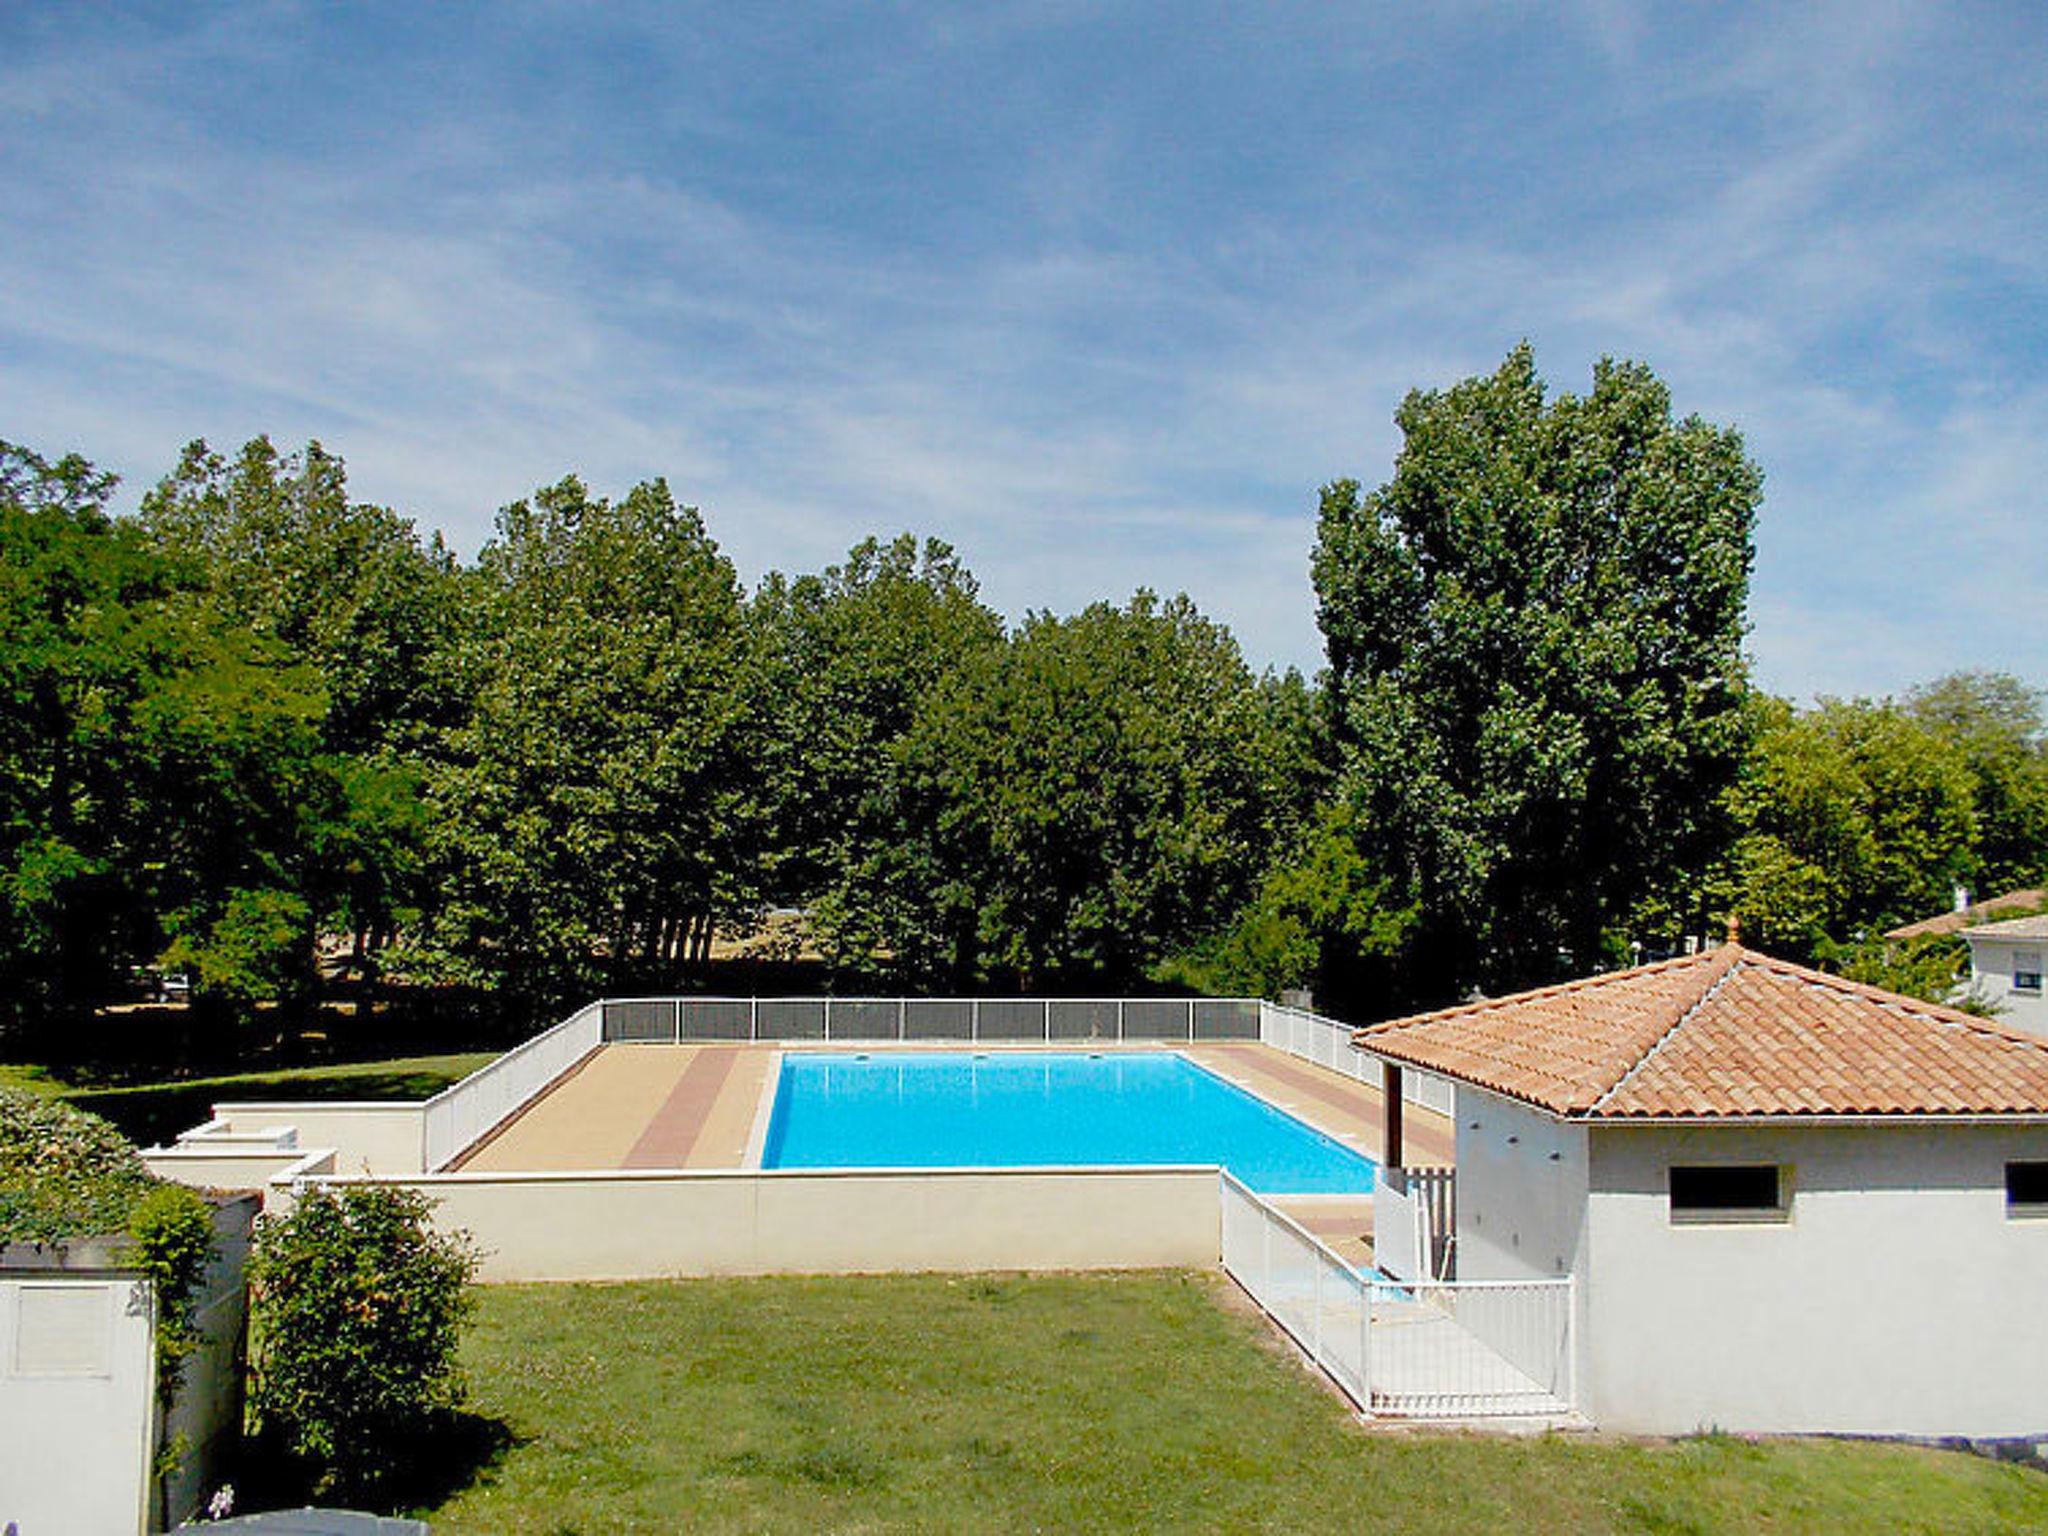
454 1452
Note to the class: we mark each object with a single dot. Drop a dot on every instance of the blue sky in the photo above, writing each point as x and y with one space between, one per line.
1100 294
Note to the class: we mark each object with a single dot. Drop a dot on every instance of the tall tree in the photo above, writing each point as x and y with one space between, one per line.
157 757
1079 803
592 802
1998 723
845 661
1534 632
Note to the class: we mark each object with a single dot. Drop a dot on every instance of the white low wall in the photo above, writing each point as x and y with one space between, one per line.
252 1168
644 1225
366 1137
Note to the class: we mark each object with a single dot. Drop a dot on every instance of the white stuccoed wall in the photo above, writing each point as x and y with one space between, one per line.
1521 1190
77 1399
1899 1299
1991 968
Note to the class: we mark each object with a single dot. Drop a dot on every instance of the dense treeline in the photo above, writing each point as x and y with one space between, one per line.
259 718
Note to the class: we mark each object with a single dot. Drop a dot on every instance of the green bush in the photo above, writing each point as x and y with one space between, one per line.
63 1173
357 1306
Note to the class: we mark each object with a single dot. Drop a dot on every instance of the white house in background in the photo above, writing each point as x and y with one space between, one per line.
1789 1202
2005 970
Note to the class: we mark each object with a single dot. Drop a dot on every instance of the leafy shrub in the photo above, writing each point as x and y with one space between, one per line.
63 1173
357 1306
172 1237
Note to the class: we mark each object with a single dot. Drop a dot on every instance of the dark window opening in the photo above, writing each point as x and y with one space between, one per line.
2026 1186
1739 1190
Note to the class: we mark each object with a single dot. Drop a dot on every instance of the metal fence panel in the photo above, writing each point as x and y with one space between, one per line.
1084 1018
640 1019
454 1119
1466 1349
789 1018
938 1018
1154 1018
717 1018
864 1018
1011 1018
1226 1019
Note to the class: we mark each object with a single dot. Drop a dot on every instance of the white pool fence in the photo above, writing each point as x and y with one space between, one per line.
1430 1350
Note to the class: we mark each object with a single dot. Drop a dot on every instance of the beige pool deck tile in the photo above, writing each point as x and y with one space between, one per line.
1333 1103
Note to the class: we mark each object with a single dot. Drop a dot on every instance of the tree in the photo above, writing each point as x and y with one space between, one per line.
1534 632
595 800
1998 724
1852 817
156 753
1079 803
844 662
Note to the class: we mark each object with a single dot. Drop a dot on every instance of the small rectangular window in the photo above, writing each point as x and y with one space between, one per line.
2026 971
2026 1189
1729 1192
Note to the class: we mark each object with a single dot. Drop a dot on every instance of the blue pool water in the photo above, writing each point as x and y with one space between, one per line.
957 1109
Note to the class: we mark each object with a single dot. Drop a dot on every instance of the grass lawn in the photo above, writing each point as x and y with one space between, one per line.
157 1112
1137 1402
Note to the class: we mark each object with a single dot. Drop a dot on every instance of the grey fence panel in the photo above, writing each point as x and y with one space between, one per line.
717 1018
640 1019
938 1018
865 1018
1084 1018
1226 1019
1012 1018
790 1018
1155 1018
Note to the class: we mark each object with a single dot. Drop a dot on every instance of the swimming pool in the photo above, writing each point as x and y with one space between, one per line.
959 1109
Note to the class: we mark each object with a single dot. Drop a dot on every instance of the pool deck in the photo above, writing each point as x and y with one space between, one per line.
705 1106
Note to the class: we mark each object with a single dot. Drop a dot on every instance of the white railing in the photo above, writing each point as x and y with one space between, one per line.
1445 1350
1414 1217
974 1020
1327 1043
463 1113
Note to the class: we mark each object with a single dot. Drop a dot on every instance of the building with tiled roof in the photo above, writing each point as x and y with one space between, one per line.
2005 969
1788 1202
1969 913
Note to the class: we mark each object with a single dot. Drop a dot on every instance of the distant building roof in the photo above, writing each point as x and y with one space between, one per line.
2014 928
1957 921
1725 1034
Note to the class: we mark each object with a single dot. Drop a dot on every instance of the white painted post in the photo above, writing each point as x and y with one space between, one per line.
1047 1004
675 1011
753 1018
1191 1021
902 1019
828 1018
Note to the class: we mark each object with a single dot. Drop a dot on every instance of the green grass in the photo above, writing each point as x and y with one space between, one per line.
157 1112
1136 1403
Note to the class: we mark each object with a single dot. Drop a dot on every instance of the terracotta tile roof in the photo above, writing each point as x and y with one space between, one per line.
1725 1034
1955 922
2012 928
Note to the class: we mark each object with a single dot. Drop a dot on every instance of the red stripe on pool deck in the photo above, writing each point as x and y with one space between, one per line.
676 1125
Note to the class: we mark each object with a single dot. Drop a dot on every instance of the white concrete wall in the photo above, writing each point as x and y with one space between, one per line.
365 1137
206 1413
208 1167
1521 1190
1992 962
77 1403
1898 1299
634 1225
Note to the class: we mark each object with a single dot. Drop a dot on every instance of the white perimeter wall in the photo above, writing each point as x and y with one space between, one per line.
364 1137
77 1400
634 1225
1899 1298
